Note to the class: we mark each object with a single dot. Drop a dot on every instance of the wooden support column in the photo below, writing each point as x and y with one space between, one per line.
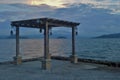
46 63
73 41
17 58
17 41
46 41
73 57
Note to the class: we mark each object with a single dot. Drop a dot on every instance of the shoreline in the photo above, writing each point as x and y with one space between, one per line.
107 63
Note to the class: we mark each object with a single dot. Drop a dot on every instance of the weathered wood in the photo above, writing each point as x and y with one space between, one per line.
73 57
17 41
46 24
40 23
17 58
46 41
73 41
46 62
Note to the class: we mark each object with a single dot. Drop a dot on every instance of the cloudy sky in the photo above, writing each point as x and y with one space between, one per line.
113 5
107 11
60 3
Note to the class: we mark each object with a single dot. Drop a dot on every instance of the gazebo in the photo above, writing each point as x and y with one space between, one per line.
44 24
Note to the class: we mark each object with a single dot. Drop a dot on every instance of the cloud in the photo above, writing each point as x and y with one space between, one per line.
2 20
106 4
57 3
13 1
113 5
94 21
24 8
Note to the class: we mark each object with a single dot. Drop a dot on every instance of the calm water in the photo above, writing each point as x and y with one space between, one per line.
99 49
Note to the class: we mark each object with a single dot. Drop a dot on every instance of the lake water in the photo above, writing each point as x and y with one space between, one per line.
99 49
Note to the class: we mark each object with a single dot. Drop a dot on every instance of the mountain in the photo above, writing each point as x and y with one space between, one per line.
94 21
117 35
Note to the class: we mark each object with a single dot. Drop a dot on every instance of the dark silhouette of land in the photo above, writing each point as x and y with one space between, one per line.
116 35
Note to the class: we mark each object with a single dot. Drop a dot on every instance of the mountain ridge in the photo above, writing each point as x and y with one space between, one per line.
115 35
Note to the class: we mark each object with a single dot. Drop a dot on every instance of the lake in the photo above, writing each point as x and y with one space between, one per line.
98 49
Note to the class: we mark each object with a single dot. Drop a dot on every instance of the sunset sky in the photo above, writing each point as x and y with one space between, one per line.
111 4
105 14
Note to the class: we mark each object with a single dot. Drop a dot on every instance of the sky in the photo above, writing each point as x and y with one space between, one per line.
61 2
99 10
107 4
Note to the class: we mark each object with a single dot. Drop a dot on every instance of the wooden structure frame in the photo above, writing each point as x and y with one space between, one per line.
45 24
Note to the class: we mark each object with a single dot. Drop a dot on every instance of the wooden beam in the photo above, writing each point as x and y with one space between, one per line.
61 24
42 21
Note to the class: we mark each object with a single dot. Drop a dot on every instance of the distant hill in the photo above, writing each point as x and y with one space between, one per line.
13 37
40 36
117 35
61 37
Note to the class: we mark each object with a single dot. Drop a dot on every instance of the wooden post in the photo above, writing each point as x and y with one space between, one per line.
46 63
73 40
17 58
17 41
46 41
73 57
